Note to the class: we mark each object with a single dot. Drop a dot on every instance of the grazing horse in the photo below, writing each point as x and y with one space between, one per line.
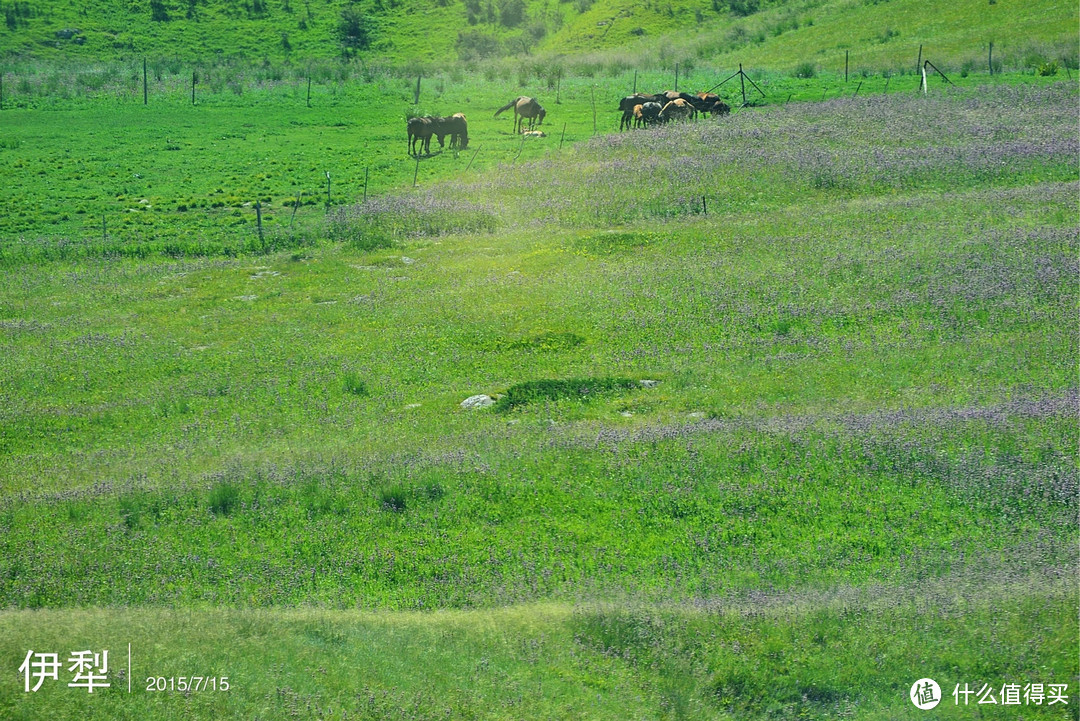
456 127
460 135
627 105
677 109
718 108
421 130
671 95
710 103
650 113
525 108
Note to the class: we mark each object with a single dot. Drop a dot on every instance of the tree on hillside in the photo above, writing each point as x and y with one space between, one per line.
511 12
354 30
158 11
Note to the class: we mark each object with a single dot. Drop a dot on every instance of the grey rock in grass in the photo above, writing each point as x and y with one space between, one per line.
649 384
478 401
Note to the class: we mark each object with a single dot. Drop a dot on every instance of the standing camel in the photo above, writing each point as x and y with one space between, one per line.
525 108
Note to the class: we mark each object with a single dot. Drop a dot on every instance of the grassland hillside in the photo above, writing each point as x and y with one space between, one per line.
786 413
766 33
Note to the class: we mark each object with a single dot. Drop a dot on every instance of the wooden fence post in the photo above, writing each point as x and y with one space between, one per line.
846 64
193 78
258 222
294 208
309 91
145 100
593 96
990 58
562 136
471 160
416 95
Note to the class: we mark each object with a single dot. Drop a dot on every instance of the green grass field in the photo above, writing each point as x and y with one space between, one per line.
861 443
785 407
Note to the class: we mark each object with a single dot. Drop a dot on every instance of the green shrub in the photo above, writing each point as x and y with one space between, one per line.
354 29
805 70
549 341
582 389
393 499
1047 69
224 498
354 384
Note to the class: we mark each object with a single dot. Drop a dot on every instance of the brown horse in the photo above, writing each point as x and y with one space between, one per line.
627 105
525 108
711 103
457 127
677 109
420 131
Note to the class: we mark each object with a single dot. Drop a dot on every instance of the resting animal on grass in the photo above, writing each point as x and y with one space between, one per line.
525 108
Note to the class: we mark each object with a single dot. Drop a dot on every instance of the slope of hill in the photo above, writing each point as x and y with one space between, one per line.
768 34
855 468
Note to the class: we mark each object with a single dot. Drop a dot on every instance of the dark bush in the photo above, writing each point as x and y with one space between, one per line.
393 499
158 11
744 7
477 44
224 498
582 389
511 13
354 30
354 384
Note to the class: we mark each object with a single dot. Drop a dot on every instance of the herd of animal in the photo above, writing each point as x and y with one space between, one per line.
639 110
